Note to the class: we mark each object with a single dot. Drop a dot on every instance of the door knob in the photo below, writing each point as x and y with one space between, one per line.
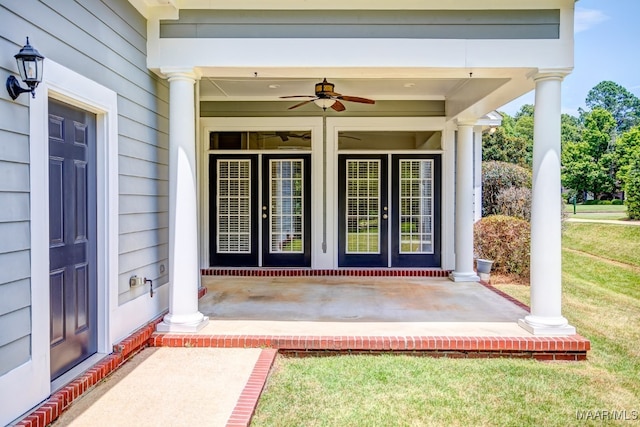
385 216
264 216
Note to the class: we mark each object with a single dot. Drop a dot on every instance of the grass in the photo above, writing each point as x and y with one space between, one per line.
601 297
617 212
616 242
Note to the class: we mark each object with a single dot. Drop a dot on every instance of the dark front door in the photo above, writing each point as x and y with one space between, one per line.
72 232
237 216
363 211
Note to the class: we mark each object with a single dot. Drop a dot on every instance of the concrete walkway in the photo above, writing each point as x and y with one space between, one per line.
167 387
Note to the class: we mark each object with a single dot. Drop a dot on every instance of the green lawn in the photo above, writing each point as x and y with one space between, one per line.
601 298
597 211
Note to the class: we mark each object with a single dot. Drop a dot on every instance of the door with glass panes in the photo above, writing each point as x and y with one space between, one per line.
388 210
260 222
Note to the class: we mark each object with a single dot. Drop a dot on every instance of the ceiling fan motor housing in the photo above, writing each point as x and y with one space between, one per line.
324 89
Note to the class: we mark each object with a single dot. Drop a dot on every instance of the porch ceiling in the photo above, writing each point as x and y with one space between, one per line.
214 88
465 95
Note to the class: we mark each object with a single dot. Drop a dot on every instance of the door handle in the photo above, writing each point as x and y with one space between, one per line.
264 216
384 215
264 212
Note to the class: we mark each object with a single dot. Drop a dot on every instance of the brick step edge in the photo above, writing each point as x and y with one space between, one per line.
542 348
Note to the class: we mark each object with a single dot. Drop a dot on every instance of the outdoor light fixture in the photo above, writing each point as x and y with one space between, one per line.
29 63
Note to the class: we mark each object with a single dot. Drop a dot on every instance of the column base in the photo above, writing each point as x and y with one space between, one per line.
551 326
192 323
464 277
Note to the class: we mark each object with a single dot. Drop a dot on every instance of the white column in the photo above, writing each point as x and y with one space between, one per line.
464 206
546 240
184 277
477 174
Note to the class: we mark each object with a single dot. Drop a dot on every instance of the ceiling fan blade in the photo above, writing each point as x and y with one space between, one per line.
300 104
297 96
357 99
338 106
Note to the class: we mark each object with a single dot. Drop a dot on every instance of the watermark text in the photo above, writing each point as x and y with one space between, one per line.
607 415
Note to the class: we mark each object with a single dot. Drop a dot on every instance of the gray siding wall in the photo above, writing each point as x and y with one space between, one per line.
106 42
415 24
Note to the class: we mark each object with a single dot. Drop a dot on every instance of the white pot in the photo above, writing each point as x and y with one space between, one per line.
484 265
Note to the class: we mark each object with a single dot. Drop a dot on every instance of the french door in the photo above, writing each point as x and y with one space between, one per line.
389 222
260 210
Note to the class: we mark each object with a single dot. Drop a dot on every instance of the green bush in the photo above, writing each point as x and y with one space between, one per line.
617 202
497 177
515 202
506 241
632 189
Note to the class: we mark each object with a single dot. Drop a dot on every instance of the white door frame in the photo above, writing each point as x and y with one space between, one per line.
31 382
255 124
390 124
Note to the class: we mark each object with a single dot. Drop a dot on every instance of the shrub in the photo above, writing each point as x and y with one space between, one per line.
515 202
632 189
497 177
617 202
506 241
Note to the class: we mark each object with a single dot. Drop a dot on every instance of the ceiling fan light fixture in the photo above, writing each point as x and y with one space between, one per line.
324 103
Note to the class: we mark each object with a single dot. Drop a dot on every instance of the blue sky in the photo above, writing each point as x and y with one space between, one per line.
607 47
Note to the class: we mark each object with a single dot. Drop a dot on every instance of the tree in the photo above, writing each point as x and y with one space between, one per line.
512 141
571 128
588 165
502 147
577 167
622 104
526 110
627 147
632 189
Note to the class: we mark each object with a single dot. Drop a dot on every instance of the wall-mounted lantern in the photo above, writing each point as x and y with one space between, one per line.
30 64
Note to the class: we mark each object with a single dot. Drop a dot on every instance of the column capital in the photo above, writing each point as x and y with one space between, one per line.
182 73
550 74
466 122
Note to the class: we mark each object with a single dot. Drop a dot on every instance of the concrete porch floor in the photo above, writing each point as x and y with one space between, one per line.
356 306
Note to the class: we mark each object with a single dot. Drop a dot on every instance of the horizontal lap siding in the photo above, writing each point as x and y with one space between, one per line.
104 41
15 283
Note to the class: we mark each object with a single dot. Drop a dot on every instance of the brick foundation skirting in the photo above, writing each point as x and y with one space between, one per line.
308 272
